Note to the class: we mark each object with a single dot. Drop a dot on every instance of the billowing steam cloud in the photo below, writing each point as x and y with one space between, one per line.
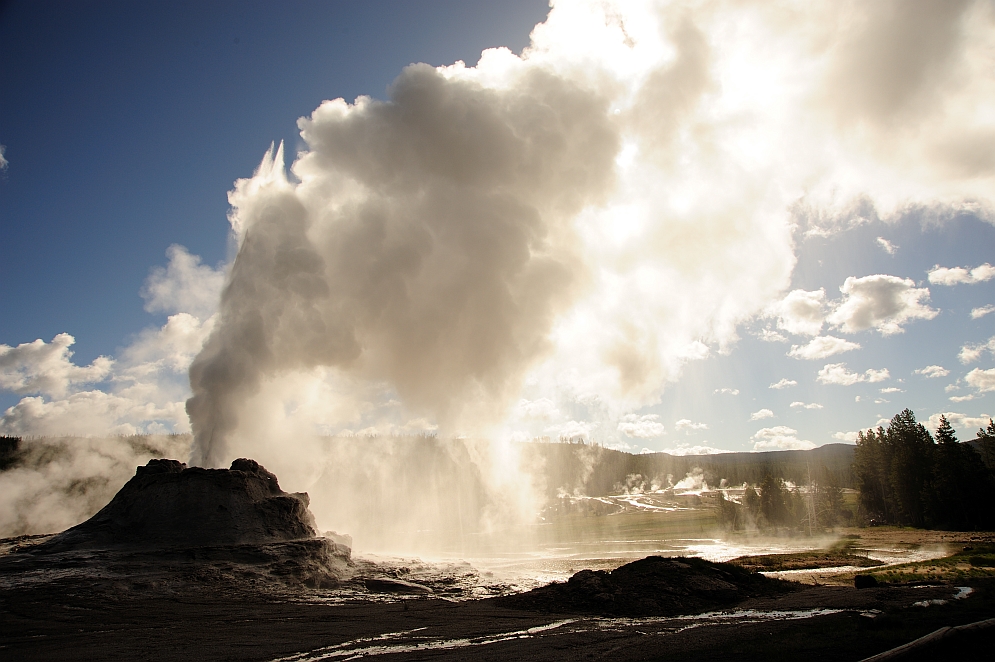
428 244
576 223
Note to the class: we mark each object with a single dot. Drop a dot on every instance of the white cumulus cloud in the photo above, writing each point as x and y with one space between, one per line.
983 380
91 413
978 313
768 334
973 352
146 384
47 367
849 437
801 312
689 426
761 414
783 383
932 371
837 373
803 405
727 391
822 347
881 302
961 275
641 427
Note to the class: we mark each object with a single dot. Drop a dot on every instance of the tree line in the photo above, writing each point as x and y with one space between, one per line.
907 476
774 504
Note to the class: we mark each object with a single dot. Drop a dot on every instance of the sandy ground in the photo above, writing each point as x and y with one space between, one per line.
66 614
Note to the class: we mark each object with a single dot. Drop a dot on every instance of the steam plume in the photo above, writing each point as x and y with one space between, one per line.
576 223
428 244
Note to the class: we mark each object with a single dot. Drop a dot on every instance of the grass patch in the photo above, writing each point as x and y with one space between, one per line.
972 562
803 561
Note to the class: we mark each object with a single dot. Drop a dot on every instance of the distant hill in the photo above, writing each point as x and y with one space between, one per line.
597 471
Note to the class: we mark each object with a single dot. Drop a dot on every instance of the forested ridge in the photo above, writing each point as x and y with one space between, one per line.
907 476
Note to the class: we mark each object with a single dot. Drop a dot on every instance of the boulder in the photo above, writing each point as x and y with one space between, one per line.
653 586
865 581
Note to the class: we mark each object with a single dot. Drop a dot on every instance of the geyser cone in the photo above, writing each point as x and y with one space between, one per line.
167 504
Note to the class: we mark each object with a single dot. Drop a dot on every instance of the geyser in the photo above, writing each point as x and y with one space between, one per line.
167 504
177 523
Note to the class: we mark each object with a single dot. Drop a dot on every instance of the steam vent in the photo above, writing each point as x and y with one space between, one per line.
167 504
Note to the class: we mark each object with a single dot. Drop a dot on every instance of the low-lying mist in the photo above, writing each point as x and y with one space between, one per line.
48 484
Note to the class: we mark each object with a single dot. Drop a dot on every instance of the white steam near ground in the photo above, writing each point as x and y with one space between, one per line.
534 246
57 482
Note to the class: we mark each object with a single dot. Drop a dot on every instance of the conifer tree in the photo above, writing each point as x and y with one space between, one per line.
961 496
773 509
910 473
986 440
871 468
947 495
751 501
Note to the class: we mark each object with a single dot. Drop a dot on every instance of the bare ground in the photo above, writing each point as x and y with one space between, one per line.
65 614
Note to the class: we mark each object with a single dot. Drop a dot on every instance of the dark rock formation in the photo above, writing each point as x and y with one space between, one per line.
654 586
172 526
168 505
865 581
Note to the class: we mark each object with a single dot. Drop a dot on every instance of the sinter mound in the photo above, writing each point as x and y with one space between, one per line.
168 505
170 525
654 586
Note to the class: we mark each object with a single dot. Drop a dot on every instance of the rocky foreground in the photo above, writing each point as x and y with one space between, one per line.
189 563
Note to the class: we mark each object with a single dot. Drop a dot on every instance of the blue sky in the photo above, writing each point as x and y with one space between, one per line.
126 123
125 126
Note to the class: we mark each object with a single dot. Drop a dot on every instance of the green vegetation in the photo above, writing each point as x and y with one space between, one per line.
906 477
972 562
830 558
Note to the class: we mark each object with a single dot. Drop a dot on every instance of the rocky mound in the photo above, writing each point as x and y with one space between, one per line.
175 528
167 504
654 586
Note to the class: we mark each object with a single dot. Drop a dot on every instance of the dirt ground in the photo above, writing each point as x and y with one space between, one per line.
60 614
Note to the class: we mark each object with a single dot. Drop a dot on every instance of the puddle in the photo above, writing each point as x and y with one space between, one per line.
962 592
360 648
419 640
